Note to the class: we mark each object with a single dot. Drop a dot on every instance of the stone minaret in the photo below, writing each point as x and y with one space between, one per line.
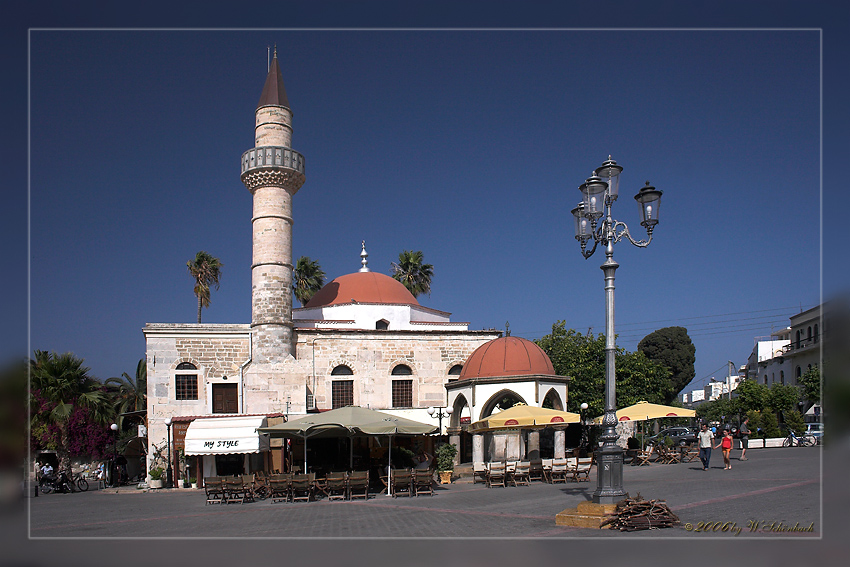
273 173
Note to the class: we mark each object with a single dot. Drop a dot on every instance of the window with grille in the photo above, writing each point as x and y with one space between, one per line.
402 393
342 393
186 385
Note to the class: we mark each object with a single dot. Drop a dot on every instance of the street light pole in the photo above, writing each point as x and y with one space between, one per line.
113 464
583 408
169 478
439 414
599 192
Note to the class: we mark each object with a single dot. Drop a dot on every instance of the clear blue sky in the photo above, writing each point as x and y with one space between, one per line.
467 145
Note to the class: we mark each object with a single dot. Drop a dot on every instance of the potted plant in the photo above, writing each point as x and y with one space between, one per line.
445 456
194 482
156 477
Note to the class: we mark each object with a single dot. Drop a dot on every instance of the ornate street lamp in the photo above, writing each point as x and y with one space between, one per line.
169 477
113 465
583 408
593 221
439 414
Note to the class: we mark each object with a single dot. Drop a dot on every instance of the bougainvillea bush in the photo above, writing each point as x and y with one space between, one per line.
86 438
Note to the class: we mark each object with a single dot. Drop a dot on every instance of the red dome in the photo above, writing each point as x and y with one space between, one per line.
507 356
362 287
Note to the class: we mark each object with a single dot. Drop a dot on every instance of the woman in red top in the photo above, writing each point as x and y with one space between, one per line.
726 445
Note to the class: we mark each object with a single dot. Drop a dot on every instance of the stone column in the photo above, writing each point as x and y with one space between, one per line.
478 448
513 443
533 445
560 443
498 446
454 439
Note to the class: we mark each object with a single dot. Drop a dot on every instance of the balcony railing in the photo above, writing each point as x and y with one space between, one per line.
802 344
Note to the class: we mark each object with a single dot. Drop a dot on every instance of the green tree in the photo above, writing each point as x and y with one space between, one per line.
307 279
769 424
672 348
810 385
721 409
413 273
206 269
582 357
795 422
782 398
60 382
129 394
751 395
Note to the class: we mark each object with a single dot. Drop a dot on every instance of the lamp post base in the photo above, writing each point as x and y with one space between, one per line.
585 515
609 487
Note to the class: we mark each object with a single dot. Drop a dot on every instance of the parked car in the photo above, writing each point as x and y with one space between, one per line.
679 435
815 430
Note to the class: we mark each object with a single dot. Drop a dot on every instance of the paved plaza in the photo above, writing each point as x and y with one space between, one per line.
763 497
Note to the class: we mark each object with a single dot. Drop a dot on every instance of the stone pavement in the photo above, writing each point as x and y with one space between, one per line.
763 497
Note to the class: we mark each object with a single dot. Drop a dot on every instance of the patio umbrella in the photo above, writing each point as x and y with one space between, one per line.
645 410
523 416
346 422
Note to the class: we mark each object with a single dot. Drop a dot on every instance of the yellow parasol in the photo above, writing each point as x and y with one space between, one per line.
645 410
523 416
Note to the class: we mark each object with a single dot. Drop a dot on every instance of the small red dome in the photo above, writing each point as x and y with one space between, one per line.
362 287
507 356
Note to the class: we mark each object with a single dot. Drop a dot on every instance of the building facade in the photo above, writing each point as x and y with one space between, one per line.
361 340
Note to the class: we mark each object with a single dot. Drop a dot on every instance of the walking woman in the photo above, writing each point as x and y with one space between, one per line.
726 446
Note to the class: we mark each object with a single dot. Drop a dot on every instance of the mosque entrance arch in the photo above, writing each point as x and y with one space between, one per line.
553 401
460 419
503 399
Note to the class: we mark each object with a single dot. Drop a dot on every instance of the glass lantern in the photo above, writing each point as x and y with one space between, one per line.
610 172
593 194
649 200
582 224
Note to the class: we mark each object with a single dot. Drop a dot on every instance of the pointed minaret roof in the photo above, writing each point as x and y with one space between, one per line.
274 93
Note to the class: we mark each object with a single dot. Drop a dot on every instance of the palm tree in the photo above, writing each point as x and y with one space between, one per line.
413 273
63 382
129 394
206 269
307 279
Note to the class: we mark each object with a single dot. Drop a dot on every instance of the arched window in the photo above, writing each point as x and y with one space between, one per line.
185 383
797 373
809 335
455 370
341 370
402 370
816 333
782 377
402 389
797 336
382 325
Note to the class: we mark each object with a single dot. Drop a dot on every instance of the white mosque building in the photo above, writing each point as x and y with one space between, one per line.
363 339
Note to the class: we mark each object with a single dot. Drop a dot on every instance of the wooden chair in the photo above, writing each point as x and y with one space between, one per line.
214 489
546 466
233 489
521 473
358 485
302 487
496 474
643 456
691 454
479 471
248 494
559 470
572 462
583 466
535 470
402 481
336 486
510 468
423 481
280 486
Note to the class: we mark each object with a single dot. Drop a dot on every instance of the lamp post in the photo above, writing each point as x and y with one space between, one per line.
593 221
583 408
169 478
439 414
112 465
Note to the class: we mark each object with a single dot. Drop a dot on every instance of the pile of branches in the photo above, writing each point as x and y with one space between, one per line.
637 514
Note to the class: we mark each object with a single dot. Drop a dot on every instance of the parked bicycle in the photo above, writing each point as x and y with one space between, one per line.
803 441
80 482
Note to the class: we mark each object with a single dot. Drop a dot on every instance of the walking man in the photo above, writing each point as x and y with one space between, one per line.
705 439
745 438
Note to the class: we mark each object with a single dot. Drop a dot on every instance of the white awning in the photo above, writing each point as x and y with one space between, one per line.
226 435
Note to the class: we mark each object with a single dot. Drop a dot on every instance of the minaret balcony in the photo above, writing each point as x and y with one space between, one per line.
271 157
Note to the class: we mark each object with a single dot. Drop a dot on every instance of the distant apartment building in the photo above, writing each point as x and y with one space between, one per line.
767 363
